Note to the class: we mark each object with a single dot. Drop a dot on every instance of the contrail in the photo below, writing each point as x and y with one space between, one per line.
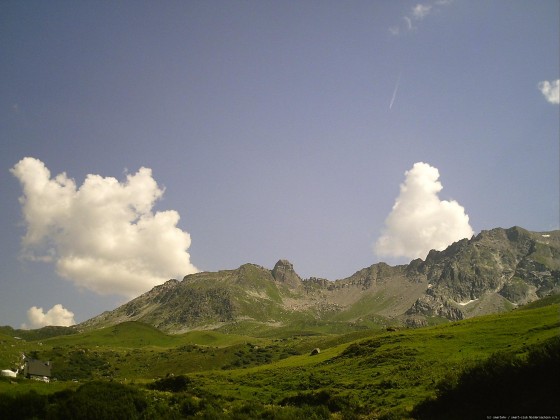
395 91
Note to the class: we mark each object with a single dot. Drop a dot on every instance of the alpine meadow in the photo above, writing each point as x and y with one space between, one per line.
283 210
454 336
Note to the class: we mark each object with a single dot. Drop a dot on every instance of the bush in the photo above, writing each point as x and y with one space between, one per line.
189 406
101 400
94 400
26 406
171 384
504 384
334 403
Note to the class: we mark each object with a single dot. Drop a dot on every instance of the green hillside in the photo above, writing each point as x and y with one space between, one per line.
365 373
392 371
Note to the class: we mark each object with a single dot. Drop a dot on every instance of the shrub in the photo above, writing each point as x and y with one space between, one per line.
504 384
189 406
171 384
25 406
334 403
101 400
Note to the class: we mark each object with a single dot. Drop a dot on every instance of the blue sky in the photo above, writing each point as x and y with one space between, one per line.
273 129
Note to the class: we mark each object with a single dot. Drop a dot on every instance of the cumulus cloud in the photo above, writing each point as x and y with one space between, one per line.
57 315
551 90
419 220
103 235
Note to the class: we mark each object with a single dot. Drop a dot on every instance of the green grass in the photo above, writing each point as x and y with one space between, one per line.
138 335
390 372
19 386
367 304
518 385
546 301
127 334
375 372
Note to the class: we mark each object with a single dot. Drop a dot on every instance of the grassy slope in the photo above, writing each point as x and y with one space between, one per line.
390 372
382 372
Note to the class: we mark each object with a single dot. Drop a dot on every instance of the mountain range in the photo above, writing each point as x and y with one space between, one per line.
494 271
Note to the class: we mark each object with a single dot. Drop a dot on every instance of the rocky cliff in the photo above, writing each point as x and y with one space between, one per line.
494 271
491 272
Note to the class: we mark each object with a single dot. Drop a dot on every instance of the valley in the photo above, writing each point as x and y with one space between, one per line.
374 373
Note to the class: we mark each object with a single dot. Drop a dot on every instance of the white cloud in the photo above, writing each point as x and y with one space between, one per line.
57 315
103 236
420 11
419 220
551 90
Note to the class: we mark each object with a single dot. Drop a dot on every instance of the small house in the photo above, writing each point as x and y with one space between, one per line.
37 369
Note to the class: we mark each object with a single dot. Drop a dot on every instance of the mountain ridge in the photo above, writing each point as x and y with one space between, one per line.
493 271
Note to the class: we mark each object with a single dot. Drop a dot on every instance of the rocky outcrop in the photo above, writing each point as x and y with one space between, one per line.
284 273
514 263
491 272
433 305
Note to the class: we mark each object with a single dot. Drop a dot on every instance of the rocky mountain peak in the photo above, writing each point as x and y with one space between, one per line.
283 272
494 271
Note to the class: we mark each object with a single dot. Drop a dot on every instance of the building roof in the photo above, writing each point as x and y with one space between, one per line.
38 368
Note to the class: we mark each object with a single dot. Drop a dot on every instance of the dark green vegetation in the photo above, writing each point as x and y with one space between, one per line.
133 370
502 381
